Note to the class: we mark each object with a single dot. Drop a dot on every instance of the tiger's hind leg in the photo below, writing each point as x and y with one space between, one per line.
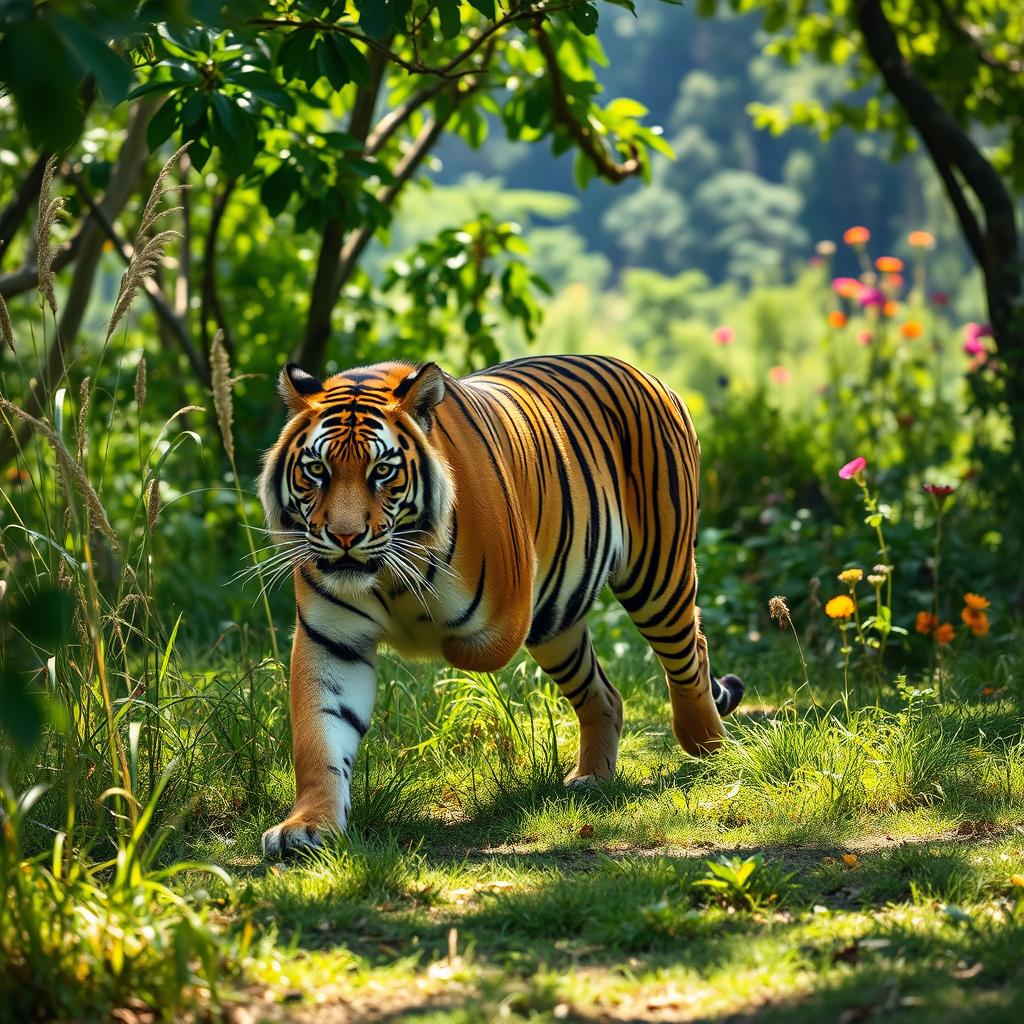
670 623
569 659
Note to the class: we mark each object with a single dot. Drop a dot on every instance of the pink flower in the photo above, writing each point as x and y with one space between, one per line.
851 469
864 338
779 374
871 297
974 347
847 287
940 298
724 335
815 261
973 331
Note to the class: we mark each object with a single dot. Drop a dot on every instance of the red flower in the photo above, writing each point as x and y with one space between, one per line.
851 469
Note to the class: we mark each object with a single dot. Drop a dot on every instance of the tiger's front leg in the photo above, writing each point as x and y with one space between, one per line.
333 688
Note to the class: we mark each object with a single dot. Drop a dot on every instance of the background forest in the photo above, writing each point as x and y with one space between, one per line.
802 217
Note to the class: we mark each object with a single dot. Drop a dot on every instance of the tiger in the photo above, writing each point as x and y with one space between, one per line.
465 518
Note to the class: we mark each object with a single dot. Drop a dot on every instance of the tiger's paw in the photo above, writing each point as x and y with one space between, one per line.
294 836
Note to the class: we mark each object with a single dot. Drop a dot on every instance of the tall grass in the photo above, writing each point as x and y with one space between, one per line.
88 915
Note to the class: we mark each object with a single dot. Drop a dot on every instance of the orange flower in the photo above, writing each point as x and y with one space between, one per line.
945 633
840 607
889 264
911 329
893 282
856 235
976 601
977 620
850 860
890 309
837 319
926 623
921 239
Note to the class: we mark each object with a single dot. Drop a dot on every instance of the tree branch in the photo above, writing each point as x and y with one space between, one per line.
971 37
14 212
582 134
210 304
322 297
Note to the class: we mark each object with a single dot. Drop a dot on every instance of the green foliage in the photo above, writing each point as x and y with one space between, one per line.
746 883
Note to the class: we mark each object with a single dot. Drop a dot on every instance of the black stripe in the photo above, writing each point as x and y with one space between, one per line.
347 715
339 650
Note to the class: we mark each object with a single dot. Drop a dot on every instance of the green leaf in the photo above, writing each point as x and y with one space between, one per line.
584 17
450 16
113 74
278 188
332 63
293 51
485 7
377 18
163 122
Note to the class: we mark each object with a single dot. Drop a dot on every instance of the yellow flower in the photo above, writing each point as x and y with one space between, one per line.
850 860
976 601
851 576
1017 880
840 607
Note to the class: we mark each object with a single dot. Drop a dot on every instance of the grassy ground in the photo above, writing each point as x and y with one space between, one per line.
880 849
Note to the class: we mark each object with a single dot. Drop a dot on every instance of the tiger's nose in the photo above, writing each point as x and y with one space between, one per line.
345 540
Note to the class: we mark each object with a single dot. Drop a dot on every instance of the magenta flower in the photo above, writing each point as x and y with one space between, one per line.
974 347
939 493
724 335
973 331
872 297
851 469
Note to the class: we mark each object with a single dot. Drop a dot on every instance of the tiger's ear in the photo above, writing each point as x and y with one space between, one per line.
296 387
421 392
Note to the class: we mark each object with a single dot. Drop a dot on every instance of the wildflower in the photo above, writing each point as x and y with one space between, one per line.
921 239
911 329
890 308
825 248
987 691
974 347
973 331
847 287
837 319
881 569
893 282
723 335
850 860
864 338
939 493
851 575
940 298
889 264
856 235
1017 880
875 580
925 623
945 633
976 601
780 374
976 620
853 468
869 297
779 611
840 607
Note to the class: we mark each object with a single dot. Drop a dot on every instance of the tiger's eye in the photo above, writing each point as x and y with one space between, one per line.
316 468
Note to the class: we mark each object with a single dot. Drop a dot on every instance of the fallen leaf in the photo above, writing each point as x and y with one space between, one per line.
586 832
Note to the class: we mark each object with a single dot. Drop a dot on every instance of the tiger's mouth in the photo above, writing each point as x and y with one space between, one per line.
344 566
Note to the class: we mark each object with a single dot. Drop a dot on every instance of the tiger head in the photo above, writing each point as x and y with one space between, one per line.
356 484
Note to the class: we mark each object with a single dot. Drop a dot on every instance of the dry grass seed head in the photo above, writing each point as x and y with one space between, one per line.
84 397
153 503
6 327
220 372
779 611
140 383
143 263
49 207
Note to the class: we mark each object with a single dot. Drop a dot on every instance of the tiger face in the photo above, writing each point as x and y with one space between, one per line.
355 484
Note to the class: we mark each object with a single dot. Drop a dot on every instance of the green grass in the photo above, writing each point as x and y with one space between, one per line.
474 886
